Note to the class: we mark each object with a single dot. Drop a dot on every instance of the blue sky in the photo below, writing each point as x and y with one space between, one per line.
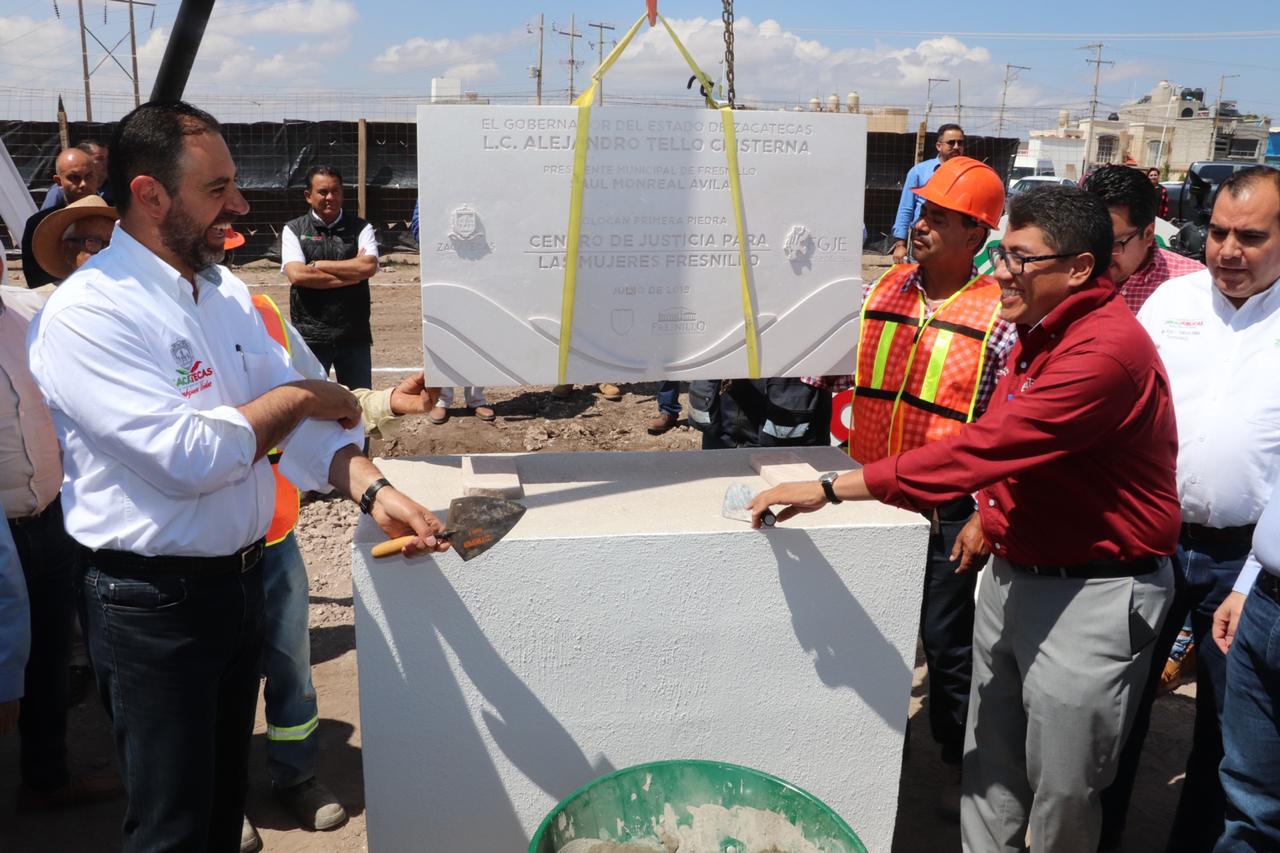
298 50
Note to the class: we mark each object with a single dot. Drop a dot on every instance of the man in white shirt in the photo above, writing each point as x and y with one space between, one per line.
167 393
1218 333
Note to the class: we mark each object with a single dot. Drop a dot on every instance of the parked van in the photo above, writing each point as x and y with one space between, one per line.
1024 165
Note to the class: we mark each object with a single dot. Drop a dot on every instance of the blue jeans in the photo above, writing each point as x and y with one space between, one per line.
289 695
669 398
177 658
1210 569
1250 771
352 363
50 563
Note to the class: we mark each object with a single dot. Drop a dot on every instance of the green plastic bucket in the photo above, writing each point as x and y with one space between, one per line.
624 805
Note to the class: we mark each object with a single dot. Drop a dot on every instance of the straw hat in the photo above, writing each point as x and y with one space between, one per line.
46 243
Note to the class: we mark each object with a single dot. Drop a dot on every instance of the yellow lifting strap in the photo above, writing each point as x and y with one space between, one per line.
578 184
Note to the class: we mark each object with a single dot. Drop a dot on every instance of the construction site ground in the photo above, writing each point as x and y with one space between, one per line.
528 419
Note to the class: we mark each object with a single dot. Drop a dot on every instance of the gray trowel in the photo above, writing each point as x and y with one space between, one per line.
737 503
476 523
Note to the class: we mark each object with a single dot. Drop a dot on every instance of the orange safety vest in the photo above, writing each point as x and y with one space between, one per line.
917 376
288 499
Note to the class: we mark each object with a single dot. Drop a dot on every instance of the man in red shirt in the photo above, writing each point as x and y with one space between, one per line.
1073 469
1138 265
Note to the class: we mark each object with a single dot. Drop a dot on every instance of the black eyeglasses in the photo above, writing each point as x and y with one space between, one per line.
1117 246
953 143
1001 255
91 244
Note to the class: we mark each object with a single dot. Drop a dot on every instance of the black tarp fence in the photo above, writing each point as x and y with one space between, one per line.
272 159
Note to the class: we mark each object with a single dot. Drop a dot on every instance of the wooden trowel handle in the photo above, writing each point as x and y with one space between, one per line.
395 546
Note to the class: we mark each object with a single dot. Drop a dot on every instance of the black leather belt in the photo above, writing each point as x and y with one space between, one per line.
1095 569
1269 585
1236 535
128 564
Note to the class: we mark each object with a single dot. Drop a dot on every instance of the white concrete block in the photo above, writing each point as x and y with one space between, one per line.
491 475
658 281
622 621
783 466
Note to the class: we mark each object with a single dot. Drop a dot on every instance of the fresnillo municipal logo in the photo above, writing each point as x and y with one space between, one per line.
678 321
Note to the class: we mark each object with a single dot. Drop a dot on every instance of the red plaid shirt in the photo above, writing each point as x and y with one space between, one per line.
1160 266
1002 338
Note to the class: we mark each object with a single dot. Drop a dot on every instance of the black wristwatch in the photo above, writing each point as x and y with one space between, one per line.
828 481
366 500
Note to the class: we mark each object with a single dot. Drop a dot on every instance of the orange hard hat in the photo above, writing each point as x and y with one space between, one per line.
964 185
232 240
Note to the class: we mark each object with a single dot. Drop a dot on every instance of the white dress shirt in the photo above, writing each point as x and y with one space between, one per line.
291 248
143 381
1265 555
1222 363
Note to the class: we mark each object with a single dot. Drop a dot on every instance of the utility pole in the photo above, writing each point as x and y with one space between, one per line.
958 118
536 71
110 52
571 62
1161 159
600 28
84 59
928 109
1217 111
1004 92
133 51
1097 62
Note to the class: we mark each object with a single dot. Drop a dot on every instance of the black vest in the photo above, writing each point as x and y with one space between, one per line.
341 315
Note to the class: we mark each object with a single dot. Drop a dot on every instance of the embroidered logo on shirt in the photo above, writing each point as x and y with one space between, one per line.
1182 330
182 352
194 379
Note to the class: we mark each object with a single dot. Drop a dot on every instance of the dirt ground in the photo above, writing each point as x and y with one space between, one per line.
528 419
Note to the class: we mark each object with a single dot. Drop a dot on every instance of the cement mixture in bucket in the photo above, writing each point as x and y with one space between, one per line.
757 831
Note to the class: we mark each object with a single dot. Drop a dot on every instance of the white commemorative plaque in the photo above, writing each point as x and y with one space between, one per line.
659 280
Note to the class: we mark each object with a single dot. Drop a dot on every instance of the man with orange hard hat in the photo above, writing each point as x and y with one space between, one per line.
931 346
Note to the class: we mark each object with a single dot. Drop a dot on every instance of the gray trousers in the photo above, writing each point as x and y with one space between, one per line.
1058 666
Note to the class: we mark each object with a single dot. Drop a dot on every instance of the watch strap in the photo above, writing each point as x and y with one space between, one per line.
828 482
366 500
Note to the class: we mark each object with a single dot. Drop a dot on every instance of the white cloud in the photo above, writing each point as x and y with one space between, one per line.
775 64
471 59
308 17
37 50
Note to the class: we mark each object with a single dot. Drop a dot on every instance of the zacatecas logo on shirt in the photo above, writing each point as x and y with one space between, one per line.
194 375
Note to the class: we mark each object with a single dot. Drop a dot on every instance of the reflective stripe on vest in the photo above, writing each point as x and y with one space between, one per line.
917 377
288 499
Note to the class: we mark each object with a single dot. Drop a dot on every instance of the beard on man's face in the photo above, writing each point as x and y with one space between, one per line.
185 237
